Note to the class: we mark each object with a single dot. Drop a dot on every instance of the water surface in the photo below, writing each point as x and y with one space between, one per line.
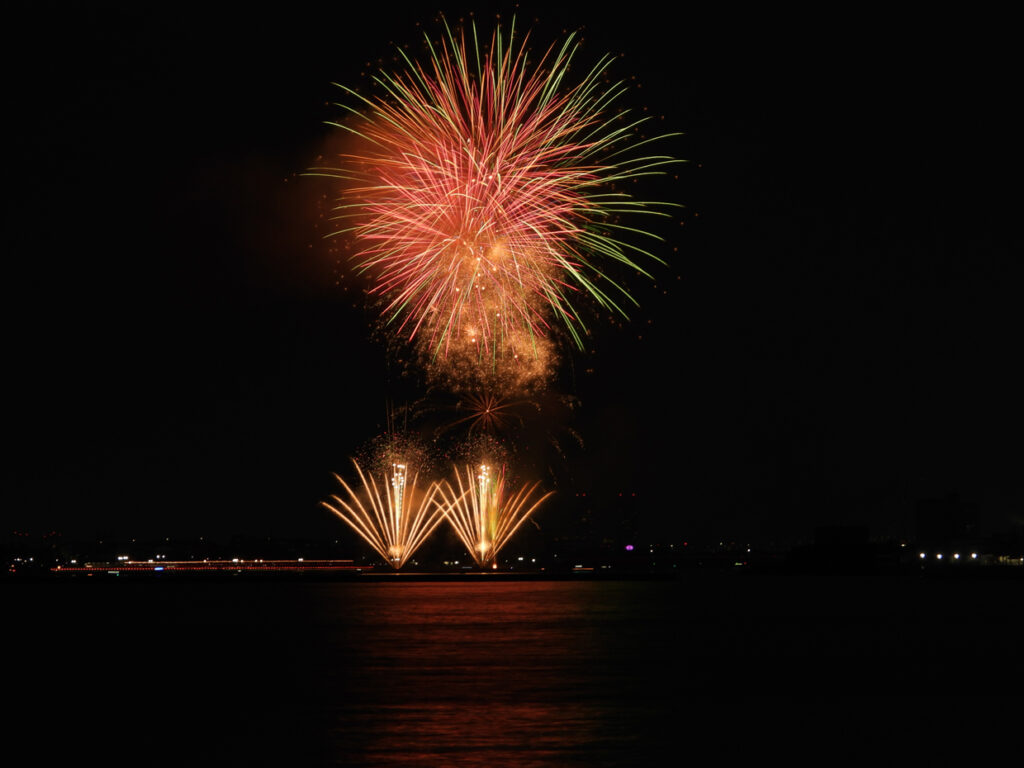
487 672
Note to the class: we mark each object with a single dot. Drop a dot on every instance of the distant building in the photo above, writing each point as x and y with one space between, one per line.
842 544
945 523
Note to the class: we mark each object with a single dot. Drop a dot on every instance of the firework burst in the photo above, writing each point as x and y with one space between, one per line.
486 196
395 521
484 514
488 412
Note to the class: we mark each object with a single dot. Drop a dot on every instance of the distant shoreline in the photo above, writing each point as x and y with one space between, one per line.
360 575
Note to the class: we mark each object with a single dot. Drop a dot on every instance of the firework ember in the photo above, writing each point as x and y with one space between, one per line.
485 196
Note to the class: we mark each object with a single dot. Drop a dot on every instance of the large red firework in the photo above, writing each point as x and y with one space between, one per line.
485 196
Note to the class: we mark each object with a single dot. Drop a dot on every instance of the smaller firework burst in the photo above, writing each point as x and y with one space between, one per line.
488 412
394 518
484 514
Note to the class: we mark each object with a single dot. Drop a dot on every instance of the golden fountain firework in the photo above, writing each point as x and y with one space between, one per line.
396 522
482 513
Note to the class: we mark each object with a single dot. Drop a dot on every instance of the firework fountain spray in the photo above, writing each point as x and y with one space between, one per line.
394 523
484 514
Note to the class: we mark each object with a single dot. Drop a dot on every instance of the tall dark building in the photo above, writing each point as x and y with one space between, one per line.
945 522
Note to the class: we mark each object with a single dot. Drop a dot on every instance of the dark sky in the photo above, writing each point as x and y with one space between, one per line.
836 336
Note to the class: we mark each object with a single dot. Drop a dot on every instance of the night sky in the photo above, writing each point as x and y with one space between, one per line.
836 335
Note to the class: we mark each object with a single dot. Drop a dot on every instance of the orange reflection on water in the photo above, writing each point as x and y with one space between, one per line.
490 673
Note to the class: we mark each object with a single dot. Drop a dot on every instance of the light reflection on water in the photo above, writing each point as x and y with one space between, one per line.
485 672
522 673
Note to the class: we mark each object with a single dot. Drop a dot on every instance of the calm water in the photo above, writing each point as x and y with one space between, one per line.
486 673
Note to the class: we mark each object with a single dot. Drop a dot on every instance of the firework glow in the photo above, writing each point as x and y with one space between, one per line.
486 196
484 514
484 192
394 522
